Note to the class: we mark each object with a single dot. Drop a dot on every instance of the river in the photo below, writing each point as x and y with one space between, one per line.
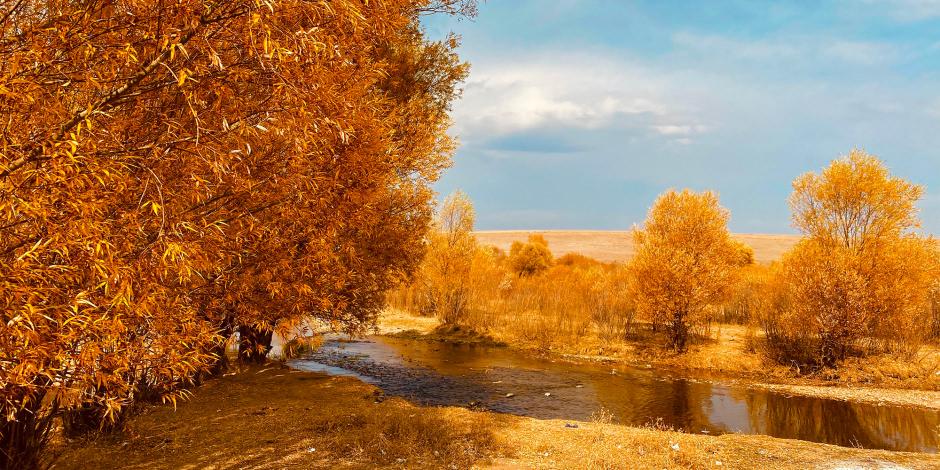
506 380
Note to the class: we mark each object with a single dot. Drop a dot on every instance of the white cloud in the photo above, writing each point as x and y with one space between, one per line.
586 92
860 52
554 104
790 49
932 109
673 129
545 123
909 10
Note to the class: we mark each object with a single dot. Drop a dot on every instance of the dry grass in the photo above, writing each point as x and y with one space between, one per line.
550 444
612 246
277 418
582 308
394 321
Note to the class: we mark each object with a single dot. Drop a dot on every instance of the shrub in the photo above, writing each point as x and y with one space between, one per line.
860 280
685 263
446 270
746 296
530 258
609 303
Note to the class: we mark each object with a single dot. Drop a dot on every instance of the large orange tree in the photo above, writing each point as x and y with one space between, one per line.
861 272
686 262
171 172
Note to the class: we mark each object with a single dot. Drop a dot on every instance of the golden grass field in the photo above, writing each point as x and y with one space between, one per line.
612 246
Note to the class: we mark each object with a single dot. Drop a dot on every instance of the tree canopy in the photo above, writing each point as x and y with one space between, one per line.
685 262
861 271
171 172
531 257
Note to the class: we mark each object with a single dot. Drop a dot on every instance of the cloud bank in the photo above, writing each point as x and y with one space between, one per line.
580 119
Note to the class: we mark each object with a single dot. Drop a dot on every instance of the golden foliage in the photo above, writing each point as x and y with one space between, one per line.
689 273
171 172
854 203
532 257
565 303
744 253
747 296
523 293
685 263
860 273
446 270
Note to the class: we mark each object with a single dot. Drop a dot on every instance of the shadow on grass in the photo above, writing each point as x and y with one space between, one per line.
275 417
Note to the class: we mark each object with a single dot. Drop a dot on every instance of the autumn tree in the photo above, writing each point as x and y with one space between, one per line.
384 240
685 262
861 270
531 257
172 172
446 269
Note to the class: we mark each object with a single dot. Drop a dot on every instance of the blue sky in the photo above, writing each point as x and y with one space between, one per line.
577 114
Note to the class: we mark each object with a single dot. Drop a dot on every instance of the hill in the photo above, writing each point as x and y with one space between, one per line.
610 245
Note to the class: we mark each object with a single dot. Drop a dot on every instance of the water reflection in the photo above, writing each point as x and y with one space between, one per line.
464 375
843 423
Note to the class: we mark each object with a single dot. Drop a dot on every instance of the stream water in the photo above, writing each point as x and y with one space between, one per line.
432 373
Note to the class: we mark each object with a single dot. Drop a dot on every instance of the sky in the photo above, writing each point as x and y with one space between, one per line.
577 114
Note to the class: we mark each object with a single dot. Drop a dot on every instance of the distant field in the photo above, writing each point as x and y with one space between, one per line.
612 245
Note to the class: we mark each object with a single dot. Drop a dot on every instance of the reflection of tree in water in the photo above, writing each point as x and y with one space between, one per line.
843 423
680 408
446 375
643 399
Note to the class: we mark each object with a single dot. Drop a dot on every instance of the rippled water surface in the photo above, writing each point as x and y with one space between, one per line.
482 377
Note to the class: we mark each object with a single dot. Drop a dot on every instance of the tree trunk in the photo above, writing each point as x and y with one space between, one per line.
680 332
219 350
830 350
23 440
253 344
89 418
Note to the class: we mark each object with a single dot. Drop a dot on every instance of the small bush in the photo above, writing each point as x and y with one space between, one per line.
530 258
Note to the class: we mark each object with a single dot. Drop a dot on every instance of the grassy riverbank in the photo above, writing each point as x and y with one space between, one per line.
878 380
275 417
